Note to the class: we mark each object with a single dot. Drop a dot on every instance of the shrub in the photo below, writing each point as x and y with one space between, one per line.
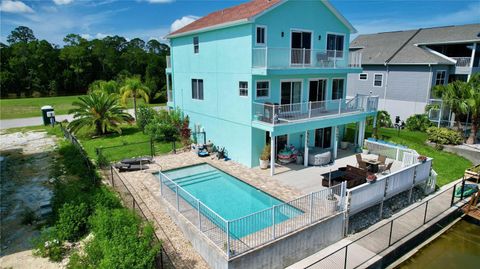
105 198
72 222
145 115
28 216
418 122
49 245
444 136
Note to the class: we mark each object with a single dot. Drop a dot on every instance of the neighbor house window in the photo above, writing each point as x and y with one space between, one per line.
337 89
263 89
378 80
243 88
440 78
363 76
260 36
197 89
196 47
335 44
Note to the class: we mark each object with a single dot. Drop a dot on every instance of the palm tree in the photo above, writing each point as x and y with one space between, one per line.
463 97
133 87
98 110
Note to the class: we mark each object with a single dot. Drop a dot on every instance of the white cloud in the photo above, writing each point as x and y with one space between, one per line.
183 21
15 7
62 2
97 36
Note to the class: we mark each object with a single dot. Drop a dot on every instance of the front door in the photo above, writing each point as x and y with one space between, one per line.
301 48
323 137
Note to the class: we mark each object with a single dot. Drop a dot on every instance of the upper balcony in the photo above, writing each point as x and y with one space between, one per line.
276 115
289 59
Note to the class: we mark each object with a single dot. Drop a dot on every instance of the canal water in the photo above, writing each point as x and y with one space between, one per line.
458 247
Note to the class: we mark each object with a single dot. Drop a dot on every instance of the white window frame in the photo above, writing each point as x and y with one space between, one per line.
360 76
374 80
268 90
344 40
291 92
444 77
240 89
197 90
196 48
343 89
264 35
312 34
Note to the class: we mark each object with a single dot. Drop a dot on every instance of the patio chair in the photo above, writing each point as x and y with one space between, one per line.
363 165
384 168
359 159
382 159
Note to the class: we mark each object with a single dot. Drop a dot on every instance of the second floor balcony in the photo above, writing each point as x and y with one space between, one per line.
462 61
279 114
289 58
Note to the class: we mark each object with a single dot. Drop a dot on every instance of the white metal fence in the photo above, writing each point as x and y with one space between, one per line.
234 237
402 154
278 114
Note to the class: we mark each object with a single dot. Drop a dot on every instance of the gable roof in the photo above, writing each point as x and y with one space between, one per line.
408 47
242 13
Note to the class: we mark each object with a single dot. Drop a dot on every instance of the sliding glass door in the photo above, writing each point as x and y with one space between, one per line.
291 92
301 47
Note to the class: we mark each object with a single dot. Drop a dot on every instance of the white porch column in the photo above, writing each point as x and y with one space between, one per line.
272 154
335 142
305 155
361 133
355 140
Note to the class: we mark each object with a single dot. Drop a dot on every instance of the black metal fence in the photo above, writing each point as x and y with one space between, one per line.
107 155
363 249
137 204
162 260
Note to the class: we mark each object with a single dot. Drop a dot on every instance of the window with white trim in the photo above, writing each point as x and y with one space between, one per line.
440 77
363 76
260 35
197 89
337 88
196 46
243 88
335 44
263 89
378 80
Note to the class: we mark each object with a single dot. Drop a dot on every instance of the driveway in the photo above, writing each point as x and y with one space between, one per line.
35 121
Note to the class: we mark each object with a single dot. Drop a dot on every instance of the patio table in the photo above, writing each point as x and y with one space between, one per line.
373 165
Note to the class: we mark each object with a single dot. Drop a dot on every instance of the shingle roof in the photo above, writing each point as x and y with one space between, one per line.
242 11
405 47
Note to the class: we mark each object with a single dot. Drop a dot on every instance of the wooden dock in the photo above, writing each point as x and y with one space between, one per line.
472 208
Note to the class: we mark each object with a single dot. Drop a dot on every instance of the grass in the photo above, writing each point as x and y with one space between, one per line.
131 143
30 107
448 166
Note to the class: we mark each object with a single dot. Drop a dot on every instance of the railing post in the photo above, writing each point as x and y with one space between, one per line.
303 63
453 194
309 109
273 222
398 154
228 239
176 194
311 208
335 59
390 236
425 214
463 188
346 254
340 106
199 217
266 57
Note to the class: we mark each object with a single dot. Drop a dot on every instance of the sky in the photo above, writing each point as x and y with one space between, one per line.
153 19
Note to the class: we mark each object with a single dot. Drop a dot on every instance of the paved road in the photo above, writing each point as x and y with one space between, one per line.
34 121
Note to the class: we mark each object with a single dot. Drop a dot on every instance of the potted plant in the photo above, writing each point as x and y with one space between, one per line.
265 157
344 144
371 177
422 158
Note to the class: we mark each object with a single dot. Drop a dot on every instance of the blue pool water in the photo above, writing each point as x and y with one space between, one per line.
230 198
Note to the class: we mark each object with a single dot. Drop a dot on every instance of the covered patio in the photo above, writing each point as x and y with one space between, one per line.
309 179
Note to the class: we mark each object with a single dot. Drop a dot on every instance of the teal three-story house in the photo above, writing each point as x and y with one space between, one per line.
268 71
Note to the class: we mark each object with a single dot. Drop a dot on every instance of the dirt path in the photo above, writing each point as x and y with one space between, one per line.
25 160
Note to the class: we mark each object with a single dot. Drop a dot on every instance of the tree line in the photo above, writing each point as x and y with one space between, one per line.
34 68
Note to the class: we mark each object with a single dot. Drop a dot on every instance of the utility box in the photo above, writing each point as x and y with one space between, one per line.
47 113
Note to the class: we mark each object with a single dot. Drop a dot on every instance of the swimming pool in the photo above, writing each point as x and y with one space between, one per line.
230 198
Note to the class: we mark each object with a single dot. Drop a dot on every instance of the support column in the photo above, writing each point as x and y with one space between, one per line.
335 142
272 154
361 133
355 140
305 154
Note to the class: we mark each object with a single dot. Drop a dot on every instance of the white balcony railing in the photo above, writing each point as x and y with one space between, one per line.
462 61
279 58
169 63
286 113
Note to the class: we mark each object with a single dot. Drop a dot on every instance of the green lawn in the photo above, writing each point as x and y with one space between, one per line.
448 166
132 143
30 107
